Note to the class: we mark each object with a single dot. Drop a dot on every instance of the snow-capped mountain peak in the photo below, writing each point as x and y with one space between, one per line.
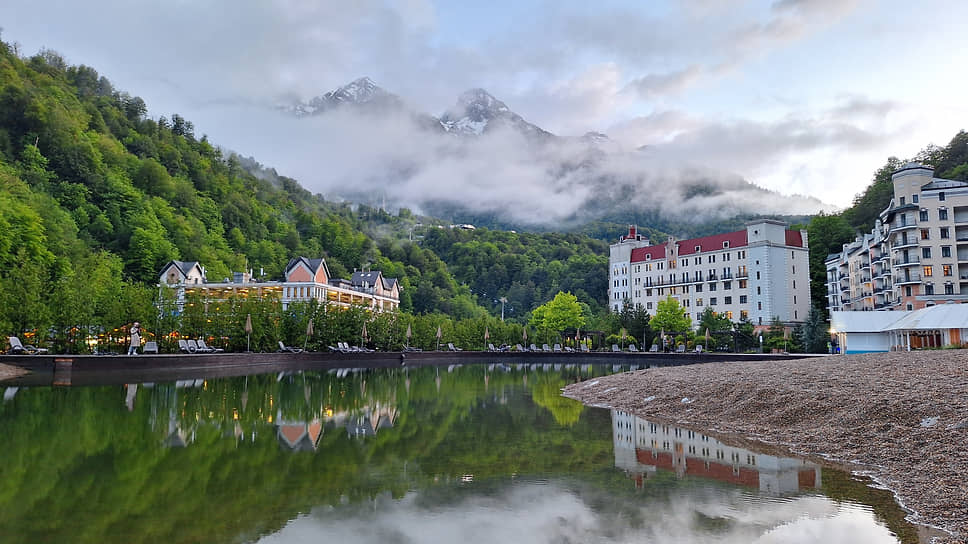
478 111
362 92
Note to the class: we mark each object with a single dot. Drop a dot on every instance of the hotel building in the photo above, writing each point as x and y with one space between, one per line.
917 254
305 280
759 273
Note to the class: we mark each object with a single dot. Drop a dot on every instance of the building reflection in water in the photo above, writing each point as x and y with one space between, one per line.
642 447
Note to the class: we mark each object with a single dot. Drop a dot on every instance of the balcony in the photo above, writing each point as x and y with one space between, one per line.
906 280
910 261
911 242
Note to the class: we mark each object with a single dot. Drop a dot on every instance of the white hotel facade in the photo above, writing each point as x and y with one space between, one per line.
758 273
915 257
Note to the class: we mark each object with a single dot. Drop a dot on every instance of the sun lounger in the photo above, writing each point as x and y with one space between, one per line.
519 347
18 348
681 348
584 348
534 347
203 346
451 347
288 349
193 347
557 348
633 349
184 347
151 347
654 348
569 349
545 348
616 349
490 347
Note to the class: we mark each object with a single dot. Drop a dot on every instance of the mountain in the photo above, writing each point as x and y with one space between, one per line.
362 93
480 162
477 112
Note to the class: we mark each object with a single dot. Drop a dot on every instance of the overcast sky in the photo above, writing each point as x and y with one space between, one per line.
799 96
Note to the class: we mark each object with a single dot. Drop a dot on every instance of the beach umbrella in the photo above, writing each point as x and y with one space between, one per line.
622 333
487 334
662 337
440 334
309 332
364 334
524 335
409 333
248 330
707 338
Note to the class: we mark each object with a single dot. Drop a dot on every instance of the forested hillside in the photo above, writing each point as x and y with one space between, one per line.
95 196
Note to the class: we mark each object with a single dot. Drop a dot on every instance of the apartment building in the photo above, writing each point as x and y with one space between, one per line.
758 273
917 254
305 279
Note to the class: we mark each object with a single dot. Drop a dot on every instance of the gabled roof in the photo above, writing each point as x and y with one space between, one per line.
369 278
183 266
388 283
312 264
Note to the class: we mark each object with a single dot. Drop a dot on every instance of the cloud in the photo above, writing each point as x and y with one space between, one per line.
551 512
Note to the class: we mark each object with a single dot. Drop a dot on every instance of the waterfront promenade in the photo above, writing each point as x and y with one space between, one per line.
106 369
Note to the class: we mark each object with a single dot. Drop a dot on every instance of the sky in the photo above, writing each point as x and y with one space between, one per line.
803 97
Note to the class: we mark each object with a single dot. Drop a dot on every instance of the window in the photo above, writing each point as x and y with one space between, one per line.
648 305
941 196
945 251
726 244
902 201
758 290
757 274
712 286
928 288
759 305
698 302
699 288
712 258
949 289
907 291
742 284
729 316
945 233
648 293
744 315
927 270
943 214
925 234
743 299
914 199
925 252
946 269
712 301
923 215
727 300
727 285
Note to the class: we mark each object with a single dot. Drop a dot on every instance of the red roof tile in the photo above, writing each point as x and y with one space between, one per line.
713 243
648 253
793 238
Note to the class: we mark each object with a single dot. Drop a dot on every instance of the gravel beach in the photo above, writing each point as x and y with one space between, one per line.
900 417
7 372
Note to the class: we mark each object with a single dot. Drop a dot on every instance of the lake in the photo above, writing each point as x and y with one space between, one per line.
474 453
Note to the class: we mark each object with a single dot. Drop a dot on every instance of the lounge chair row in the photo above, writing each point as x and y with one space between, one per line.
191 346
545 348
343 347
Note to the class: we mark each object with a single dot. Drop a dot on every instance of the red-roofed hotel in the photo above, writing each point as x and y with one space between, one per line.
759 273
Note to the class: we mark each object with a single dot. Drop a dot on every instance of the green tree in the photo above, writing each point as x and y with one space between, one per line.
562 312
715 323
671 317
827 234
814 333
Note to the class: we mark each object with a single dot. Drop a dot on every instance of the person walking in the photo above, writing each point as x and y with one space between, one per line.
135 339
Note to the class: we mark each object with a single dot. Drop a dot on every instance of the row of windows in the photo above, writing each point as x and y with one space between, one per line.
684 262
945 233
914 198
942 214
946 270
926 252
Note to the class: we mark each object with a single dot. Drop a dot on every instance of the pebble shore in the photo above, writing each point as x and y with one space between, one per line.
901 418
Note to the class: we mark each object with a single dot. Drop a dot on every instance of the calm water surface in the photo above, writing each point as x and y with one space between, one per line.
468 454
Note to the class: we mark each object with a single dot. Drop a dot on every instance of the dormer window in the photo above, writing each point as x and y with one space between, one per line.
726 244
902 201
